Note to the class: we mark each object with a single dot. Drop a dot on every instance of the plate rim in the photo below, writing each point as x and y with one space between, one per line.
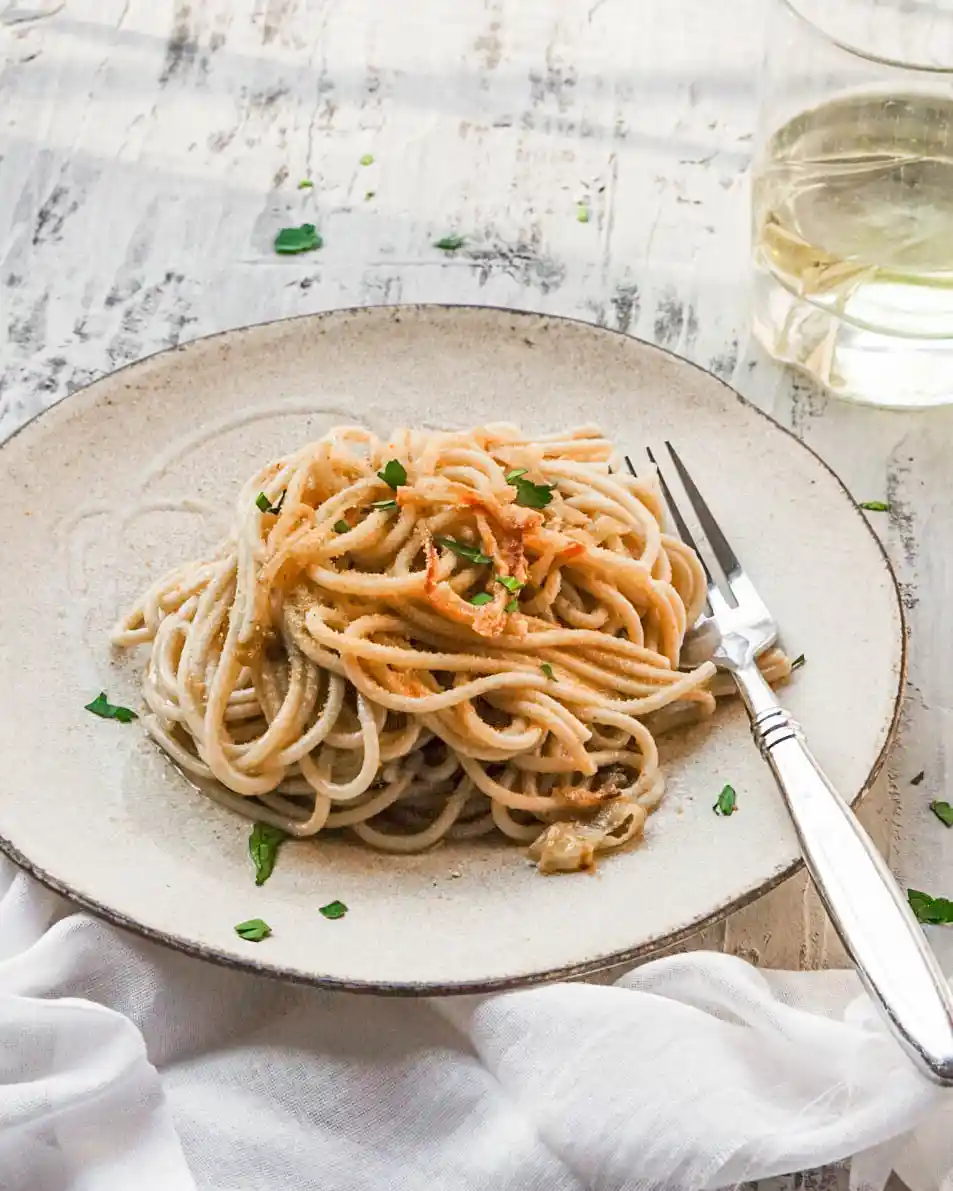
410 988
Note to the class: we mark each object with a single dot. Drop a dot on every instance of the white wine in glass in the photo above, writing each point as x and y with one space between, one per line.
853 221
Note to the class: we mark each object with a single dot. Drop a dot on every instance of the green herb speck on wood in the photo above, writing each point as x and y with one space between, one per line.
298 239
333 910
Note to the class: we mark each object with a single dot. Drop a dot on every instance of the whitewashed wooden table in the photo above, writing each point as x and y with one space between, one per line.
150 149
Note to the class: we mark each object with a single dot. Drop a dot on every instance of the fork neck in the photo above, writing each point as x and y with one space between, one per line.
757 695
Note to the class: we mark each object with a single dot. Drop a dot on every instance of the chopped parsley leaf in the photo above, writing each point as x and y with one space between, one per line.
254 930
333 910
944 812
512 606
263 845
798 662
935 910
514 475
511 583
470 553
109 711
367 159
298 239
481 598
547 670
265 504
582 213
727 802
383 504
393 474
875 506
342 526
305 184
369 195
532 496
915 781
449 243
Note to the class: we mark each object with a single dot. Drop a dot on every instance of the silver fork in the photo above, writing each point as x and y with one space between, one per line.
864 903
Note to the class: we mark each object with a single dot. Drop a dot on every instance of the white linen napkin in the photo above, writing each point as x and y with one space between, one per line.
127 1066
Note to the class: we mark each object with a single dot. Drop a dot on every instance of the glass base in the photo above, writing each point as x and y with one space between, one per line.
852 362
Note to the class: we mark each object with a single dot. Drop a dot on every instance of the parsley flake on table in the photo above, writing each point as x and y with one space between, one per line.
449 243
265 504
582 213
915 781
481 598
263 845
547 670
798 662
367 159
110 711
937 911
298 239
393 473
511 583
368 195
727 802
875 506
470 553
944 812
333 910
254 930
305 184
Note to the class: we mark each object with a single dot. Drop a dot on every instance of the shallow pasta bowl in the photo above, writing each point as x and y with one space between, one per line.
146 464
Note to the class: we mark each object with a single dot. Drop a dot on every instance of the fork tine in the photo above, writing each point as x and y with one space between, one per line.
716 600
719 543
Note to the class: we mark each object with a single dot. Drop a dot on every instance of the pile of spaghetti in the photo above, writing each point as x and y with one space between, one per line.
443 635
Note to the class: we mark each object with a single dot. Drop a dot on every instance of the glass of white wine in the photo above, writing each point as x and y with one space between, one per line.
853 197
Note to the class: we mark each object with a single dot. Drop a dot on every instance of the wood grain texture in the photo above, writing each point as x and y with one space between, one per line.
150 149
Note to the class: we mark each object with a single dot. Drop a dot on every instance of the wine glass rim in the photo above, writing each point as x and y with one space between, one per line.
859 52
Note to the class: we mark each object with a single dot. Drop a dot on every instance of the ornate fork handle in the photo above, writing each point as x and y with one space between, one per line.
862 898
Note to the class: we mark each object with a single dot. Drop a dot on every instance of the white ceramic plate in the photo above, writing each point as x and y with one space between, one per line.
140 470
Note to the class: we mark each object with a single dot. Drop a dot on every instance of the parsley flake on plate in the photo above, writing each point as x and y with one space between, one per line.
938 911
333 910
470 553
875 506
109 711
727 802
449 243
798 662
393 474
367 159
263 845
582 213
254 930
305 184
298 239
